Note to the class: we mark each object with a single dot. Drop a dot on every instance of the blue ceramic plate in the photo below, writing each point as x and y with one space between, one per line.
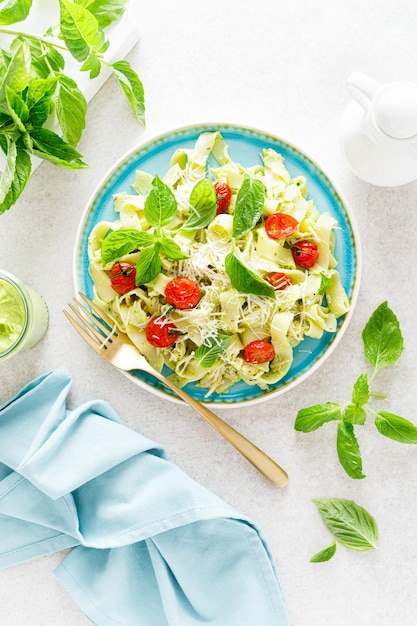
245 145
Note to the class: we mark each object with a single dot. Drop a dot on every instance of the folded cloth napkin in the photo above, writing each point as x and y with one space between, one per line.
151 547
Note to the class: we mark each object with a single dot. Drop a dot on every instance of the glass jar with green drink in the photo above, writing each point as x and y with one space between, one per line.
23 316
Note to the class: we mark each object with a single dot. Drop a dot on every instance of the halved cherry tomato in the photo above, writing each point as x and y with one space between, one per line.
123 277
305 253
223 195
161 332
182 292
278 280
280 225
258 351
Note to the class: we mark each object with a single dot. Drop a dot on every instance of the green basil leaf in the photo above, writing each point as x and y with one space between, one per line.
160 205
22 171
71 109
92 64
210 349
39 99
80 30
49 146
55 58
324 555
18 109
354 414
16 76
249 205
313 417
14 11
348 450
350 523
325 283
360 394
120 242
148 265
105 11
171 249
245 280
382 338
9 171
203 205
132 87
396 427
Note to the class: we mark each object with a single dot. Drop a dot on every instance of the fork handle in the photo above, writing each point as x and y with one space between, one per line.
267 466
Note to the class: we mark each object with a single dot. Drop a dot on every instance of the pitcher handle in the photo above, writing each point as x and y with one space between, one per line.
362 88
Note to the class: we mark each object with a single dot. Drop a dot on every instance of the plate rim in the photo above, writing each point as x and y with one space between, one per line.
200 126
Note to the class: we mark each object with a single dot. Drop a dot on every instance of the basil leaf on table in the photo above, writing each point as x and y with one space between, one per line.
22 170
382 338
354 414
71 109
118 243
18 108
396 427
210 349
324 555
16 76
105 11
348 450
14 11
360 394
9 171
160 205
203 205
39 99
80 30
350 523
132 87
49 146
249 205
313 417
148 265
245 280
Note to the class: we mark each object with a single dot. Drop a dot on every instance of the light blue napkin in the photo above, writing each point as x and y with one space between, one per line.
153 548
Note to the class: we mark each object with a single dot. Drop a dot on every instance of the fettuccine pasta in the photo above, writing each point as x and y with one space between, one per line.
255 287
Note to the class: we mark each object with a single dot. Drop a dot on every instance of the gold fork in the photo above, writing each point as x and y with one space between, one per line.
100 332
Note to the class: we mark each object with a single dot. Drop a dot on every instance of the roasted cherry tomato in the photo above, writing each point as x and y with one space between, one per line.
280 225
259 351
182 292
123 276
223 195
305 253
161 332
278 280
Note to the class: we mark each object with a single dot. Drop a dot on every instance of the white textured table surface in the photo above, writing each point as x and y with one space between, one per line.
280 67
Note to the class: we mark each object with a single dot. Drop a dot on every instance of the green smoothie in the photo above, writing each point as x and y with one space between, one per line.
12 315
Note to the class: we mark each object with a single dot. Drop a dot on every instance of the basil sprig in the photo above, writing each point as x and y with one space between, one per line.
351 525
245 280
383 344
249 205
160 209
33 84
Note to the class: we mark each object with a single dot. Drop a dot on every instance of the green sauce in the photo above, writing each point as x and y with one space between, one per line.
12 315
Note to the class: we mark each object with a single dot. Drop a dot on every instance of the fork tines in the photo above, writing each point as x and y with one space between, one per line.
97 330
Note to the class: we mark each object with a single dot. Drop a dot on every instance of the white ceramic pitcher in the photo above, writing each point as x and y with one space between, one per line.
379 130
